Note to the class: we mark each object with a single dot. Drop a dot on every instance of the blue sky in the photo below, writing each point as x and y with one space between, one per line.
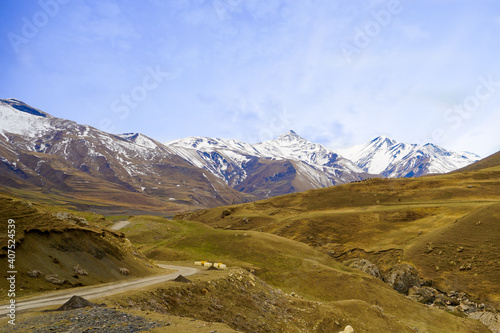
337 72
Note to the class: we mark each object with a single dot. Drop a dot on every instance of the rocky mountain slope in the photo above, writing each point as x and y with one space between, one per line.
393 159
287 164
91 169
44 158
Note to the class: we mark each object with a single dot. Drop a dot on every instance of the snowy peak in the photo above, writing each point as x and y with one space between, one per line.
241 165
41 151
133 161
23 107
19 118
292 146
206 144
139 139
195 142
382 141
291 136
391 158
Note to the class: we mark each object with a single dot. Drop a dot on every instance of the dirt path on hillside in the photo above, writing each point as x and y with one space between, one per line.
119 225
90 292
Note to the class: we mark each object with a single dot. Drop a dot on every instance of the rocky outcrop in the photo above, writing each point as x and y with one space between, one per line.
402 277
53 278
68 217
35 273
80 271
124 271
489 319
365 266
425 295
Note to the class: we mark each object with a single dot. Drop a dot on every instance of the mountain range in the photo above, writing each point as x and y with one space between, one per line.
393 159
57 160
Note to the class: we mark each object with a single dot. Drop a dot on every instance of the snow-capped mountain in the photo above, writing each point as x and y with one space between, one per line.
302 164
79 163
390 158
83 163
224 158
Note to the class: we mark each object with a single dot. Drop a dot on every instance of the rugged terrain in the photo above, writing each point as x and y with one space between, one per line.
275 284
57 161
287 164
381 255
57 250
393 159
446 226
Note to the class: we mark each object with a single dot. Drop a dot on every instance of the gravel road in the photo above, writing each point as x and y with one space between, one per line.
90 292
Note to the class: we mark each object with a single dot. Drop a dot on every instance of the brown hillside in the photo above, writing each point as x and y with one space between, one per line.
429 221
54 253
488 162
326 292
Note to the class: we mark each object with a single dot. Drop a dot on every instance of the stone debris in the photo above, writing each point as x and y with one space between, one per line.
182 278
73 219
35 273
425 295
80 271
466 267
94 319
124 271
365 266
53 278
76 302
402 277
489 319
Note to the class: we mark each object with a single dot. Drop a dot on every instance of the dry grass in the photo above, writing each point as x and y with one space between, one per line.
392 220
55 246
294 267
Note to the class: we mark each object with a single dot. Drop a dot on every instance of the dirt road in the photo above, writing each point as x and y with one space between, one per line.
119 225
90 292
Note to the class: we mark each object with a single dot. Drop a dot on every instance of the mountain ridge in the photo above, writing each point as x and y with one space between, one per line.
394 159
40 151
306 165
58 159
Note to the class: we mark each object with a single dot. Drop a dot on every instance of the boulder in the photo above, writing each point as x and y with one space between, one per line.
124 271
402 277
425 295
80 271
68 217
347 329
439 303
365 266
35 273
53 278
445 300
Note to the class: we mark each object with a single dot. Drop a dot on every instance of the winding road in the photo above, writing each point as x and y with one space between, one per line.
90 292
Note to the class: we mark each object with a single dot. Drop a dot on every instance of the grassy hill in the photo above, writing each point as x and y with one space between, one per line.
347 295
49 247
447 226
285 254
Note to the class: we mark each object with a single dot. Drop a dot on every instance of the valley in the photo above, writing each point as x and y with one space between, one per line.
373 253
